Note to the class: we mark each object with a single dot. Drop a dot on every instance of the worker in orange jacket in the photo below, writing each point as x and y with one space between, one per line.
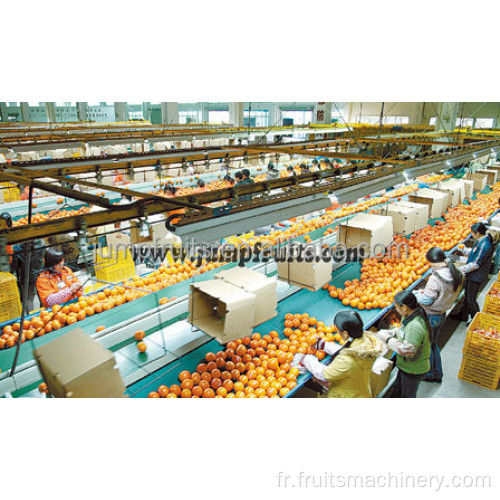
58 283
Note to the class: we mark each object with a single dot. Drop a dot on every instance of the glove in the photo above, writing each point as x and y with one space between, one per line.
385 335
298 363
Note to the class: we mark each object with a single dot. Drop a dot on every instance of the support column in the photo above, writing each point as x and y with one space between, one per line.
447 116
274 114
4 115
146 111
169 113
121 112
322 113
236 114
81 109
25 112
204 112
51 111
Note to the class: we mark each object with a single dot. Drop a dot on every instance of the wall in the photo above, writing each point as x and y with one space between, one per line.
413 110
470 110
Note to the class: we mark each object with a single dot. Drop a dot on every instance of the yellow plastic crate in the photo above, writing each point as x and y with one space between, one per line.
114 267
480 346
492 302
479 372
10 192
10 301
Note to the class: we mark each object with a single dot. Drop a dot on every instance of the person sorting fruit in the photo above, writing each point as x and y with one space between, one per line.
411 343
349 372
439 295
476 270
58 283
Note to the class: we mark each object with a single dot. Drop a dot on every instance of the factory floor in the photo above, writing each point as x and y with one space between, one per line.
453 337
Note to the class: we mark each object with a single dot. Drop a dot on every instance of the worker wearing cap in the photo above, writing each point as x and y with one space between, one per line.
58 283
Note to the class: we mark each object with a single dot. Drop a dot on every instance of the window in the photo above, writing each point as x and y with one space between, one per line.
484 122
369 119
464 122
35 104
189 116
136 115
257 118
433 121
218 116
298 117
13 103
65 104
396 120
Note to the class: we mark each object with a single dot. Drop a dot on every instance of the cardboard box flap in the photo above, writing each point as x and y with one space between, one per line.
368 221
78 348
233 296
247 279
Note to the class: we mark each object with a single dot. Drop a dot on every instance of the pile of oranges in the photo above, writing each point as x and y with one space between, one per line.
382 278
253 367
88 305
54 214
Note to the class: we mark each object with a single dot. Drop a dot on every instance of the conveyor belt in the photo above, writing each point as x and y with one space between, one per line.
318 304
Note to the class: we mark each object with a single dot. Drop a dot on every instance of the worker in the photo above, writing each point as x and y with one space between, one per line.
118 178
304 169
476 270
243 179
67 244
19 266
201 185
272 172
494 233
349 372
229 179
291 171
437 298
57 283
411 343
315 166
190 168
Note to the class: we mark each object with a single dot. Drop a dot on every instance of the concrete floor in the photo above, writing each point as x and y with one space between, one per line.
453 334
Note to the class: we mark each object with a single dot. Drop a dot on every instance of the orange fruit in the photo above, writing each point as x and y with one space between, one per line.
141 347
139 335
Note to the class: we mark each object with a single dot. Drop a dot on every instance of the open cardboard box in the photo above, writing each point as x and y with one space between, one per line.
491 175
404 219
264 289
437 201
77 366
309 275
456 192
366 229
479 180
421 212
221 310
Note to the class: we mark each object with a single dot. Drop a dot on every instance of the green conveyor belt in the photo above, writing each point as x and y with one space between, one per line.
318 304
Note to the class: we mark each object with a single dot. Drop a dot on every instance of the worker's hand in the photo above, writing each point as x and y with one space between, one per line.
75 287
384 335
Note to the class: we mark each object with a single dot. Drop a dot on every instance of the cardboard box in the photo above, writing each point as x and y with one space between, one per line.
136 237
264 289
366 229
479 180
456 192
309 275
77 366
421 213
221 310
468 187
491 174
118 238
437 201
404 219
381 373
